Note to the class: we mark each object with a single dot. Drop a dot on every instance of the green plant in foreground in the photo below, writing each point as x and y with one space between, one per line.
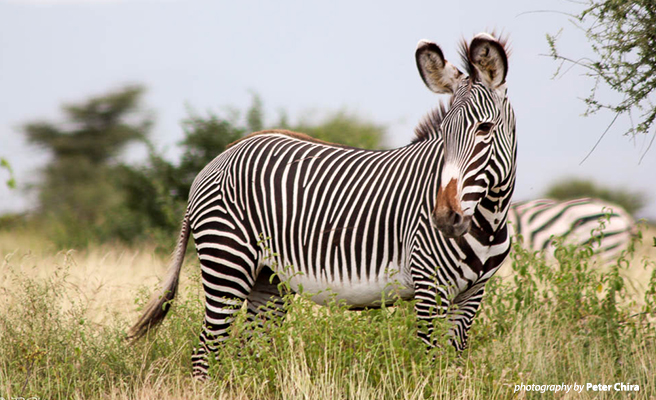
561 322
575 317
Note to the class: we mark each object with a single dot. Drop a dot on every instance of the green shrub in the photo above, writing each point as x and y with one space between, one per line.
573 188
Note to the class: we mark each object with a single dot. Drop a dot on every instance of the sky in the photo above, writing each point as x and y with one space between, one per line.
303 57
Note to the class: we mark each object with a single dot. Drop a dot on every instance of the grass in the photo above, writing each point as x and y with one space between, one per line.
63 318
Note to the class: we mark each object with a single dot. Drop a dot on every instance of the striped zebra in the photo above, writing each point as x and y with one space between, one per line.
577 221
426 221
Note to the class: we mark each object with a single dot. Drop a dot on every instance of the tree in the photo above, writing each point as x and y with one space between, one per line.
205 138
87 195
98 129
345 128
568 189
255 114
622 34
156 193
78 195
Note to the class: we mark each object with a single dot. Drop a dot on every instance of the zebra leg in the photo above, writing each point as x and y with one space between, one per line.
228 275
462 315
431 304
265 307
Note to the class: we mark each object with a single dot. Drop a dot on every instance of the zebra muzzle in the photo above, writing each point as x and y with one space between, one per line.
451 223
448 216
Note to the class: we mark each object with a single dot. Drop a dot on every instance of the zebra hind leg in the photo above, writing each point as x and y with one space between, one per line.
265 306
228 276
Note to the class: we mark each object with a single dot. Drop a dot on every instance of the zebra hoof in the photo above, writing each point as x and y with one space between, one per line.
200 376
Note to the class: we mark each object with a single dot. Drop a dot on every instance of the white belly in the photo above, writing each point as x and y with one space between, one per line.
357 292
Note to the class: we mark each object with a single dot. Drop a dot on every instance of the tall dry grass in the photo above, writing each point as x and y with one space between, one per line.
63 318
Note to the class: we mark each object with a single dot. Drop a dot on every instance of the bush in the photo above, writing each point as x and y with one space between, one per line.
569 189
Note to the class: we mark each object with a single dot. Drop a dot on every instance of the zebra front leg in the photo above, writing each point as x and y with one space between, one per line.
431 304
462 315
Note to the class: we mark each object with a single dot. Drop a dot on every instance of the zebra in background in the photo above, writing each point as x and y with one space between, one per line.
578 221
426 221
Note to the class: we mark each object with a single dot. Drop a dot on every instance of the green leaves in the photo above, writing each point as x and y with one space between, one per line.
345 128
621 34
11 182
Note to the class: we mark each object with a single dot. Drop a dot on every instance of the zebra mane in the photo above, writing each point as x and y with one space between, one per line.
429 126
464 53
291 134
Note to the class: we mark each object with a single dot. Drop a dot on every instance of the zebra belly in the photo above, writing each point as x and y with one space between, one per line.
356 293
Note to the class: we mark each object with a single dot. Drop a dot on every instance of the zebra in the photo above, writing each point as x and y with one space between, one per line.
426 221
577 221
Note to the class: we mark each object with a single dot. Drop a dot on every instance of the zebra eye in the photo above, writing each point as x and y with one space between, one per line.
484 128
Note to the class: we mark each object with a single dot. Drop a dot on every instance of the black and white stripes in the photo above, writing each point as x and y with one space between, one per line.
427 221
578 222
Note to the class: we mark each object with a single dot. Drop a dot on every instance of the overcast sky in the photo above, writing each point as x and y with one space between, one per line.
300 56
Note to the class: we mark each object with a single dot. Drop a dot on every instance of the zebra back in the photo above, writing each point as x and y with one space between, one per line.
607 227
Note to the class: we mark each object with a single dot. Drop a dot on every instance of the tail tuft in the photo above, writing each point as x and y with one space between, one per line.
159 306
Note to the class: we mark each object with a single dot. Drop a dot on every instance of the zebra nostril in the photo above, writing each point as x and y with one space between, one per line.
456 218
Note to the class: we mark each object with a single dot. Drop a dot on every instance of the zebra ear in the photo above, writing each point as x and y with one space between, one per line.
489 59
438 74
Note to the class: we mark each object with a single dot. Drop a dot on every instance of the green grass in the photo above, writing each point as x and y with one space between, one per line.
545 325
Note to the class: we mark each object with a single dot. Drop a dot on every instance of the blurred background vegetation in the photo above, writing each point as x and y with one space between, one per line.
567 189
87 195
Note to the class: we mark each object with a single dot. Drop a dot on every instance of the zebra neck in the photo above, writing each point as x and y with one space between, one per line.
489 223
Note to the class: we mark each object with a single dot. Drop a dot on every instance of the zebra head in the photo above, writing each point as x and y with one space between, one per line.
478 130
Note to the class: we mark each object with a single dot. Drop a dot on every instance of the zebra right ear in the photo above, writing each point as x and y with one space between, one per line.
438 74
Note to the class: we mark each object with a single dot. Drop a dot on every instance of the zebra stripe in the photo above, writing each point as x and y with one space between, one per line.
426 221
577 221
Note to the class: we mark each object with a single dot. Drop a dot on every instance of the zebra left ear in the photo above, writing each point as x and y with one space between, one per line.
489 59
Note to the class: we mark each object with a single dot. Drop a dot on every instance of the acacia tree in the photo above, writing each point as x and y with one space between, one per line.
95 130
86 195
78 194
622 35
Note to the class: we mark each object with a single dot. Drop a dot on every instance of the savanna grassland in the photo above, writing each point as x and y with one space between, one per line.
64 316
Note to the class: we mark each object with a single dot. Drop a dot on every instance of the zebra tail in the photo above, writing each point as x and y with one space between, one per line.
159 306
